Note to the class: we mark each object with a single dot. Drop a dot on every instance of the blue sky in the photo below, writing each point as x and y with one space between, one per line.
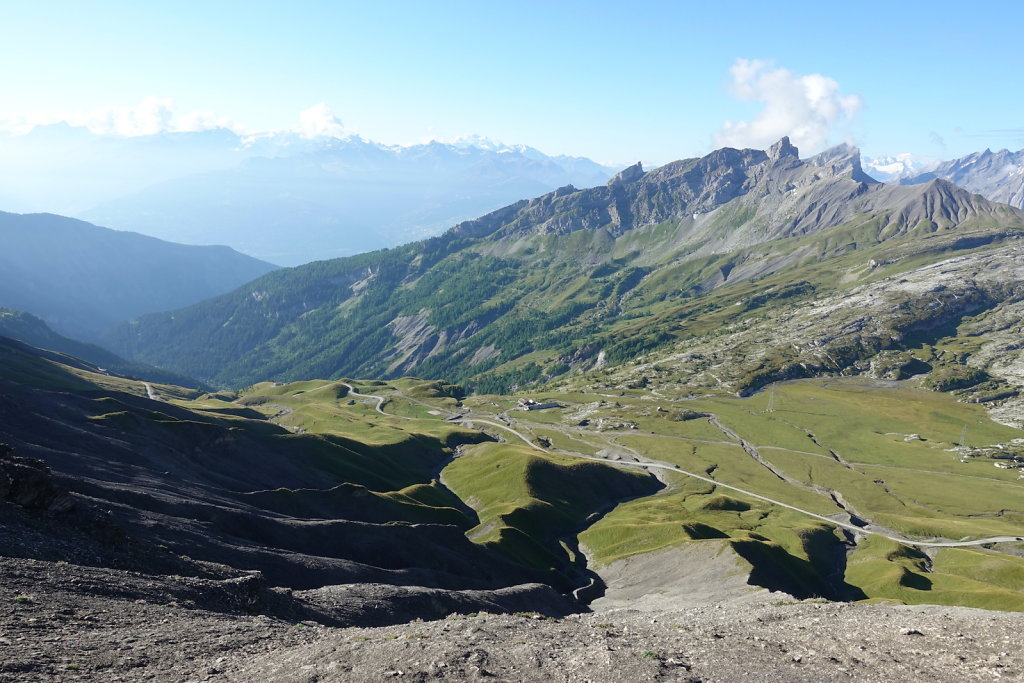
654 80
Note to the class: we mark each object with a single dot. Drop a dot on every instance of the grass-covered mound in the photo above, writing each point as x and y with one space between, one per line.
532 505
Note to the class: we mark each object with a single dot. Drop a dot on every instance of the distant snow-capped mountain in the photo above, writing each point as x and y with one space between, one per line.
285 197
891 168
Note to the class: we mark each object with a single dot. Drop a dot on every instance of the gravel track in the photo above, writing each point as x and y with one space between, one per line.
654 464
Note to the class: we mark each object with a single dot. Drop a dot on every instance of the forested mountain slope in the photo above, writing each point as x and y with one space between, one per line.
29 329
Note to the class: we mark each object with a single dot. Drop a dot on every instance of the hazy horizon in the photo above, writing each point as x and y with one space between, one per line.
616 85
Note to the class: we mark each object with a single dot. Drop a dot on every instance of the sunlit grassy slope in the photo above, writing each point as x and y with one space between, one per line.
572 492
890 453
529 501
903 460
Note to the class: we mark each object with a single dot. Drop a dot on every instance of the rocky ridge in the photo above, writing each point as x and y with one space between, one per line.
999 176
779 196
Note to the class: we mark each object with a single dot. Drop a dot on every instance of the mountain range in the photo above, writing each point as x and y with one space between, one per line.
891 168
579 279
999 176
283 197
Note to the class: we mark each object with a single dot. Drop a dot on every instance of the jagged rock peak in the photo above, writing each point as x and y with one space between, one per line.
840 152
782 148
843 159
628 174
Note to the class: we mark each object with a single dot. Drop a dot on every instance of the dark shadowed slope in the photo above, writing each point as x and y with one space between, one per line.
27 328
222 480
189 479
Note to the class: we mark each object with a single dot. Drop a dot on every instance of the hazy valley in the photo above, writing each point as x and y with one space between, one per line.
286 197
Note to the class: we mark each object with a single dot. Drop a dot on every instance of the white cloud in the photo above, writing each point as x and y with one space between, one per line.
17 125
806 108
152 115
320 121
158 115
205 120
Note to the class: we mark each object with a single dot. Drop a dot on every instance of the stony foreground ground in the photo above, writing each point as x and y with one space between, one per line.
61 623
803 642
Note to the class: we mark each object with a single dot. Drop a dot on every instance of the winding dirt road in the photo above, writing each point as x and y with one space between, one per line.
153 396
380 399
653 464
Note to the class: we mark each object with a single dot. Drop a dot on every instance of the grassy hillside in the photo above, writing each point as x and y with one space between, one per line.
531 505
885 458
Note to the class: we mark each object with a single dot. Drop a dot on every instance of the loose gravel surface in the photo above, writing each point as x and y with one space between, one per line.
65 622
772 642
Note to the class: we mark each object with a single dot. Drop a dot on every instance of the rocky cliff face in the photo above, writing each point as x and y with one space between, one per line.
27 482
631 199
